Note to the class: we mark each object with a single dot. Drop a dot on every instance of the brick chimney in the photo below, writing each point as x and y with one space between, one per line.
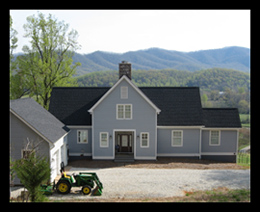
125 69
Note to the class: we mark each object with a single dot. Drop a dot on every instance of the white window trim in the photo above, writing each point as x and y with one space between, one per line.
78 140
148 140
219 136
100 139
124 112
173 145
124 92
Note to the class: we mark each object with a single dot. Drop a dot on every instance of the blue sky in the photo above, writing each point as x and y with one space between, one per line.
129 30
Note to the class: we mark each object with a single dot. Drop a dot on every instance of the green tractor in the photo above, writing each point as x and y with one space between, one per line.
86 180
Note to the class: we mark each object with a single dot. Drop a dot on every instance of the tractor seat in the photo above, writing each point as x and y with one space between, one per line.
65 175
70 177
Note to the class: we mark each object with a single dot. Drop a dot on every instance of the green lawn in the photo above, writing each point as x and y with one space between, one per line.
243 159
245 120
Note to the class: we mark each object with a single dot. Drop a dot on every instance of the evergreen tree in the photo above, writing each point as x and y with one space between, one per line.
32 170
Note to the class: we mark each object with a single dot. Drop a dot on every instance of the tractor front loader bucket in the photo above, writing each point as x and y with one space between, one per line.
97 191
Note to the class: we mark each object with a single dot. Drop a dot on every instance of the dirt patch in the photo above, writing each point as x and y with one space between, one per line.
220 194
161 163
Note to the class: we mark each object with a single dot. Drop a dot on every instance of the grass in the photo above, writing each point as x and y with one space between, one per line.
243 159
244 138
221 194
215 195
245 120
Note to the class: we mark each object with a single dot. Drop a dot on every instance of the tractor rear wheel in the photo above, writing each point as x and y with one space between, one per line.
63 187
86 189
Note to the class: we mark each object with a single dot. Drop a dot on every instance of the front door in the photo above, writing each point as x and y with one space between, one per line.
125 142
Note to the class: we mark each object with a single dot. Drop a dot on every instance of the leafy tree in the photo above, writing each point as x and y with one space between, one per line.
12 37
48 61
32 170
204 101
12 46
243 106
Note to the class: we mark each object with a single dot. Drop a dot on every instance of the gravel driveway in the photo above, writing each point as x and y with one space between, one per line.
149 183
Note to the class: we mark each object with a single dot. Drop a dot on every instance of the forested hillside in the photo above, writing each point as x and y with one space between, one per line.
234 57
212 79
219 87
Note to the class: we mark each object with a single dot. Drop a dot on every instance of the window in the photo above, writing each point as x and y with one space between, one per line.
103 139
26 153
82 136
177 138
144 139
214 138
124 111
120 111
124 92
128 111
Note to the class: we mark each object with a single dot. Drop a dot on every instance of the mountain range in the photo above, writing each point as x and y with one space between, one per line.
233 57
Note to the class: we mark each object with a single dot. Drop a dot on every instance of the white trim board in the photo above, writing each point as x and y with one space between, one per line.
178 154
75 126
180 127
144 158
218 153
103 158
219 128
79 154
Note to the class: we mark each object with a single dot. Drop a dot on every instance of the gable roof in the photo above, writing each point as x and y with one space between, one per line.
38 118
221 117
180 106
124 77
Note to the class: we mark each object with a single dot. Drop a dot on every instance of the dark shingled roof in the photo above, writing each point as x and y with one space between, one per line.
71 104
180 106
39 118
221 117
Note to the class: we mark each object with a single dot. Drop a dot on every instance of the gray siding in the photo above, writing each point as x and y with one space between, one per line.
76 149
19 132
191 139
144 119
228 142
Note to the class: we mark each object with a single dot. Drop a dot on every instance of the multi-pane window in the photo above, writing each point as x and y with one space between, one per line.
103 139
214 137
144 139
82 137
128 111
120 111
124 111
177 138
